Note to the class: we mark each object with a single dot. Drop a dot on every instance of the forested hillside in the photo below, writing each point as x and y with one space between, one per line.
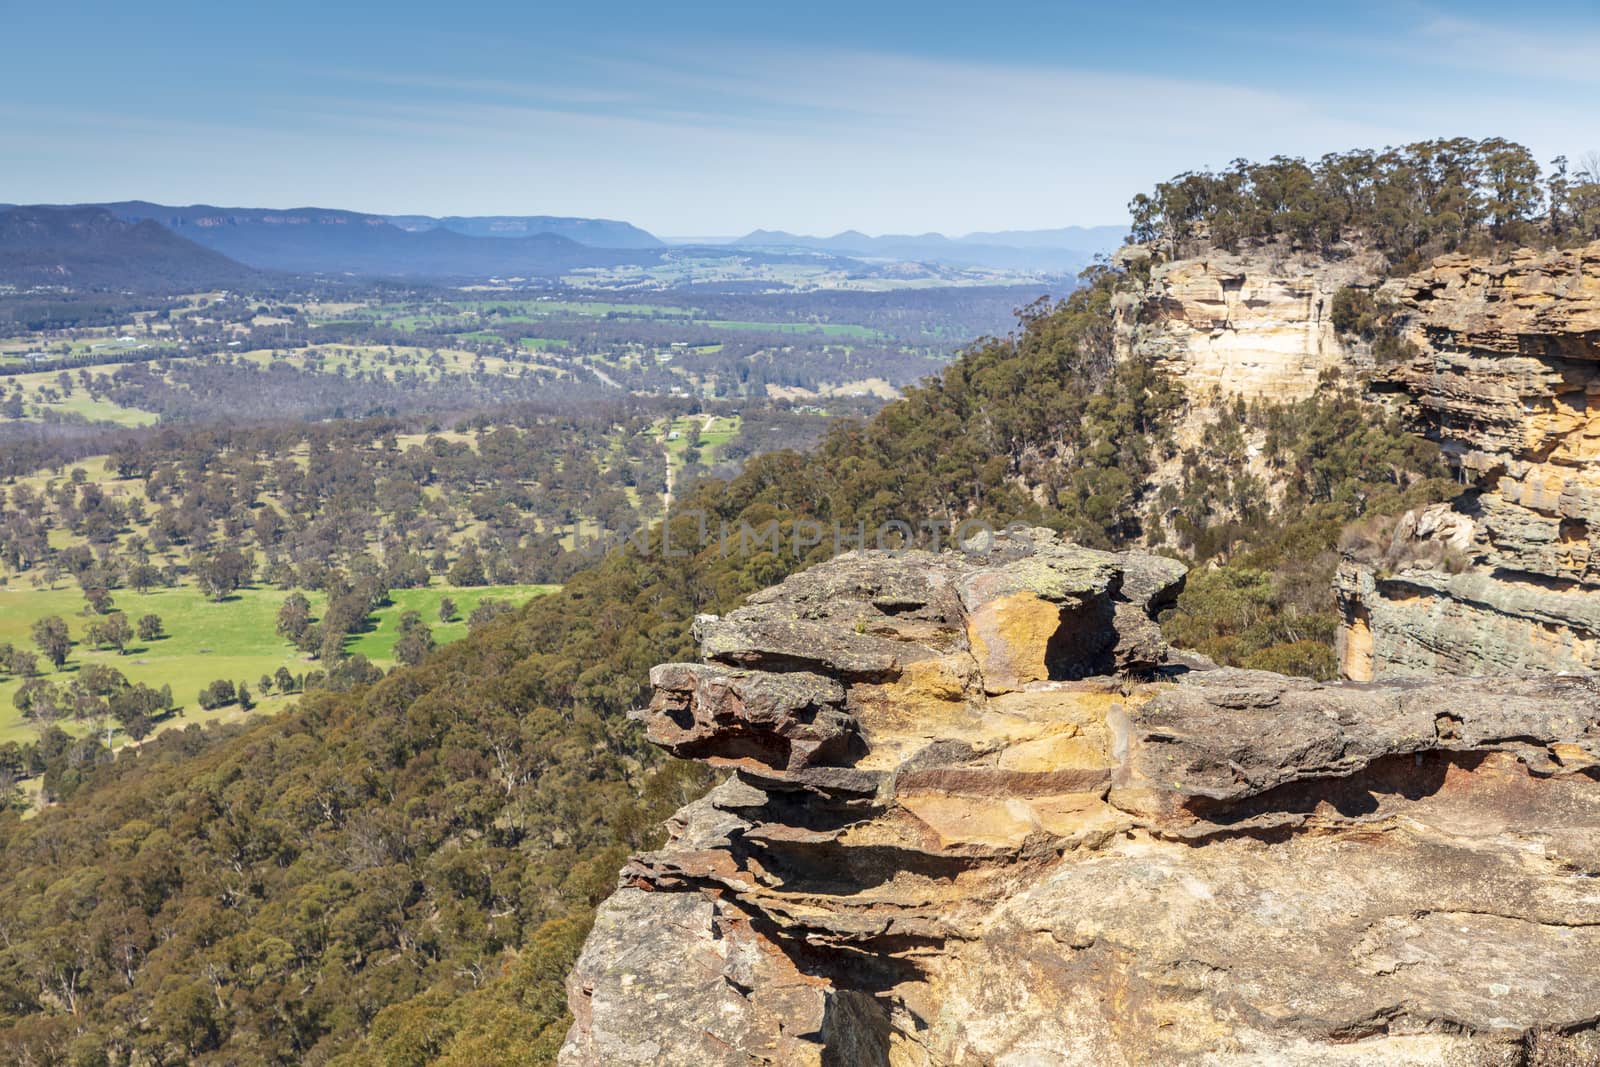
401 874
90 248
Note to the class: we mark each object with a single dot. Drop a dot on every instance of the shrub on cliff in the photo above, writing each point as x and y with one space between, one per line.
1357 312
1354 312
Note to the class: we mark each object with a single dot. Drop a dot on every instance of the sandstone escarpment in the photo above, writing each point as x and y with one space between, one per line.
1257 324
978 814
1227 327
1508 380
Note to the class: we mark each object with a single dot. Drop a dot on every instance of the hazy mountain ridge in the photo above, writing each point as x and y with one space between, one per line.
1064 250
596 233
329 240
91 247
312 240
1097 238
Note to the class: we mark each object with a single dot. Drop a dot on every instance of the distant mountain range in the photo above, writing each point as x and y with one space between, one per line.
149 247
1066 250
596 233
328 241
92 248
161 245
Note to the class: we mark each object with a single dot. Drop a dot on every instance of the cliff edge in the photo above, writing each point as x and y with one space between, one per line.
1507 379
1255 325
978 813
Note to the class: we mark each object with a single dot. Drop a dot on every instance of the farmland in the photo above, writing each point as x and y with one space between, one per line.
296 484
205 639
451 351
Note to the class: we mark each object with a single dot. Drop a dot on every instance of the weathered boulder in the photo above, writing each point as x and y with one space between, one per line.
954 836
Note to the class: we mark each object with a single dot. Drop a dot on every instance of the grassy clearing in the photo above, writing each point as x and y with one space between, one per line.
105 342
485 314
235 639
366 359
81 403
41 392
827 329
377 644
589 307
404 441
206 640
715 431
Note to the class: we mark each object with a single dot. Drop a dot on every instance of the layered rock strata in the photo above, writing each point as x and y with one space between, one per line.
976 813
1508 380
1230 327
1252 325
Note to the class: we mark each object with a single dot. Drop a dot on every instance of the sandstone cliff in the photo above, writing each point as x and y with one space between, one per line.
1508 380
978 814
1253 325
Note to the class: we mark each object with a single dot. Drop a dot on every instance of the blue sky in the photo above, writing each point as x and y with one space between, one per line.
716 118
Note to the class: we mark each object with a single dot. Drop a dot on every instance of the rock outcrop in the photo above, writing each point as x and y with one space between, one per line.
1508 380
977 813
1255 325
1252 325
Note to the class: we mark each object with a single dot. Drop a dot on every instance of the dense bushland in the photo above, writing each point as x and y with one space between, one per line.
1409 202
402 873
1266 533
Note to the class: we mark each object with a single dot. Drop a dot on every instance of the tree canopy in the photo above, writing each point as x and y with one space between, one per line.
1415 200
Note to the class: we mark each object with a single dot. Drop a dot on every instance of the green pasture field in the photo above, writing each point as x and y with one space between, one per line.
79 403
377 644
715 431
206 640
235 638
827 329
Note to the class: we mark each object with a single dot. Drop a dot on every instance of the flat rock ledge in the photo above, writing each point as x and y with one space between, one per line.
977 813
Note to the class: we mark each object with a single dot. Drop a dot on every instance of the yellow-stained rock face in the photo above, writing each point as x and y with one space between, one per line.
1066 746
1009 638
1355 645
1081 704
958 821
931 698
1243 325
942 680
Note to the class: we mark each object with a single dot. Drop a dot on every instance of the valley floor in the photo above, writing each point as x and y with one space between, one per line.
235 639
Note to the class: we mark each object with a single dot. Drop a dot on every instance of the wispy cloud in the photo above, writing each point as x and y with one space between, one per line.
1565 52
501 87
726 134
853 96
